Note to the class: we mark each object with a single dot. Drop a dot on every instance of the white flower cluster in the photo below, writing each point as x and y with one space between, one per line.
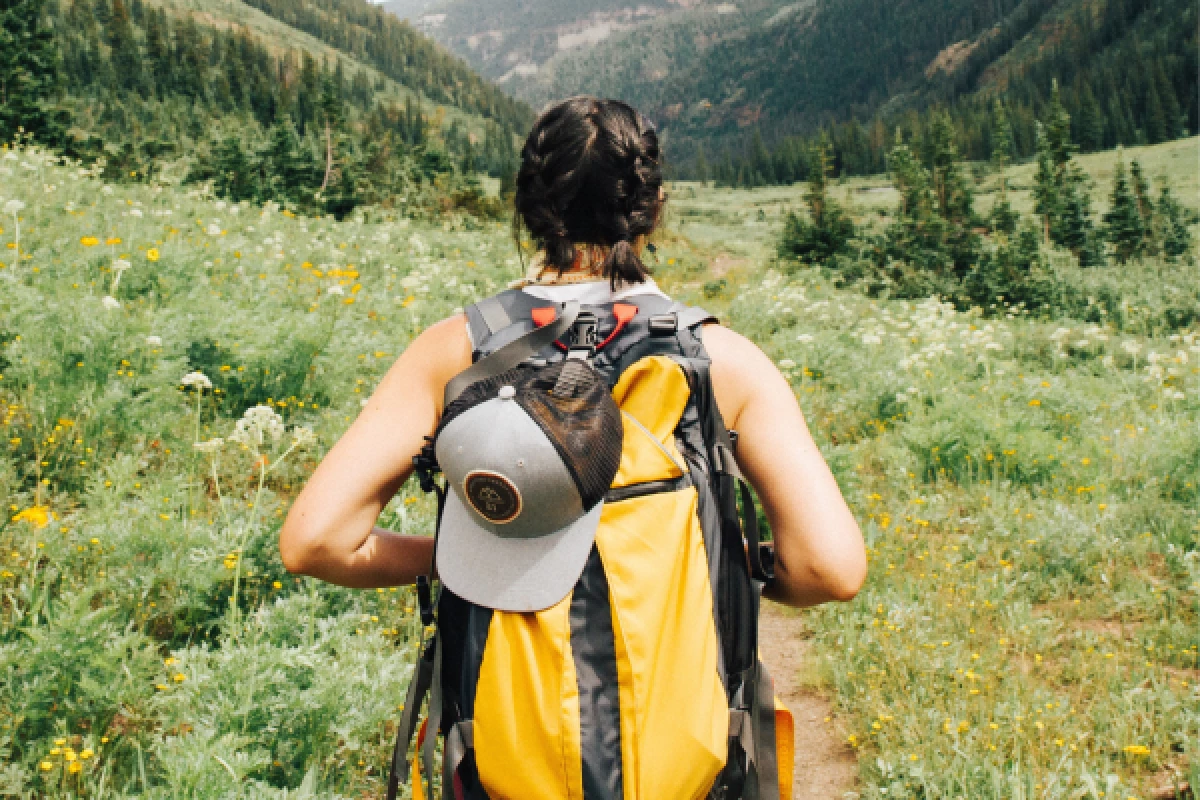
196 379
256 426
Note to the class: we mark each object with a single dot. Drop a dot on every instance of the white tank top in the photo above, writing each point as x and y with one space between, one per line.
592 293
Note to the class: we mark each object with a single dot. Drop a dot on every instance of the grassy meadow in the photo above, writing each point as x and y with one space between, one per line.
1029 489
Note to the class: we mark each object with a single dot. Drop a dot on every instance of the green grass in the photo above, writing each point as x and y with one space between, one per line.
1028 489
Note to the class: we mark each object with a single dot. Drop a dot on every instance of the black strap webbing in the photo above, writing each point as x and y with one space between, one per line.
418 687
512 354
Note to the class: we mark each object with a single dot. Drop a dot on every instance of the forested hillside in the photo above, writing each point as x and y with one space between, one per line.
318 107
718 76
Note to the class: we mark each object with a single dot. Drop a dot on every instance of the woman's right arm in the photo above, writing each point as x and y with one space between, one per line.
819 550
330 531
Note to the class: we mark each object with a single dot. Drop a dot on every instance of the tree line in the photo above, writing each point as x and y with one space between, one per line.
1127 76
938 243
136 87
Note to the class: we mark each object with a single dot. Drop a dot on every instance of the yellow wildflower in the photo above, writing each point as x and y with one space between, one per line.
152 254
37 515
89 241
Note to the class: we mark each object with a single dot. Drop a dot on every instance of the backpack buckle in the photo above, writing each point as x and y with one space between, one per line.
663 324
583 337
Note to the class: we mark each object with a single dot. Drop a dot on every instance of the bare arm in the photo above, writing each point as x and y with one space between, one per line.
819 550
330 531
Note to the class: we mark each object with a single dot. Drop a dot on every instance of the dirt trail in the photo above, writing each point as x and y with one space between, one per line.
825 766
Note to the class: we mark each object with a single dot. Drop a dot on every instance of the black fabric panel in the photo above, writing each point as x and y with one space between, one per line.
594 651
463 627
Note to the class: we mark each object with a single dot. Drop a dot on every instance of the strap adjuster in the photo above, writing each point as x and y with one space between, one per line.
663 324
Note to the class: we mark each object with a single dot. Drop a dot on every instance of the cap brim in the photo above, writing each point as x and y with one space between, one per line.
511 574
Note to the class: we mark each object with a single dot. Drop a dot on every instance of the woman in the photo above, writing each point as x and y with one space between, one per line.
589 192
329 532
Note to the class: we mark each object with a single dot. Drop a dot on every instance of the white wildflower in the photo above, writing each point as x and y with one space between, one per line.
1131 347
120 265
787 363
196 379
335 290
213 229
13 207
106 190
211 446
871 338
805 338
901 397
135 212
256 425
110 302
154 341
303 436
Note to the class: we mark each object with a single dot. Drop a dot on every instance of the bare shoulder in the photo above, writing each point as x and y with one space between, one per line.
438 353
740 370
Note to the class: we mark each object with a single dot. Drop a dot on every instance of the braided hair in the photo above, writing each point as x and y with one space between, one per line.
590 174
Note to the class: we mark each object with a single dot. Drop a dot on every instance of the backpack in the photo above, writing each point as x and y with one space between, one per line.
644 682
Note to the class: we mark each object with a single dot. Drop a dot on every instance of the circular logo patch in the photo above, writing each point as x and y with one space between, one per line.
493 496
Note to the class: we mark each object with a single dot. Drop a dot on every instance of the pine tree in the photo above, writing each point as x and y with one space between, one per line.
1176 222
1004 218
1156 119
1061 189
29 72
126 56
829 230
1123 222
1091 122
1145 206
235 174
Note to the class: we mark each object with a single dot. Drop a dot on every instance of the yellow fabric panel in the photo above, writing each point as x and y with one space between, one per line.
415 780
674 716
785 748
527 708
654 391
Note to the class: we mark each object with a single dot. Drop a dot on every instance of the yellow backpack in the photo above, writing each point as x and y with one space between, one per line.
644 683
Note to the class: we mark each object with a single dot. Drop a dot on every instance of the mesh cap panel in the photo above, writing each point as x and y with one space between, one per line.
571 402
573 406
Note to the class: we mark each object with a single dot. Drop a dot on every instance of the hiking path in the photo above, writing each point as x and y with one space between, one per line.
825 767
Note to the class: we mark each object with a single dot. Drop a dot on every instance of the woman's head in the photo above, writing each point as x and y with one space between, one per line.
590 174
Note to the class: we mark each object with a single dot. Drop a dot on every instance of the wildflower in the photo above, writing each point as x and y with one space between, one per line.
46 766
255 425
787 363
197 379
38 516
13 207
335 290
213 229
85 754
154 341
211 446
74 767
303 436
152 254
113 240
120 265
110 302
89 241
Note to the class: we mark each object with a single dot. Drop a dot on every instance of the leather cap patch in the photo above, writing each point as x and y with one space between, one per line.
493 496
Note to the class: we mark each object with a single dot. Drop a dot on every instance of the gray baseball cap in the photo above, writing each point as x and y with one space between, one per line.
527 457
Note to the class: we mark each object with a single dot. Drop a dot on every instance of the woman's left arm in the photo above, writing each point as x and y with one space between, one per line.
330 531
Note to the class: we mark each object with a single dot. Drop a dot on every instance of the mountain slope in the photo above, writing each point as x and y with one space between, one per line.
323 107
715 74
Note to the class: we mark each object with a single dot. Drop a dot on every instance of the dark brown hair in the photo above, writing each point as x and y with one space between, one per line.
590 174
